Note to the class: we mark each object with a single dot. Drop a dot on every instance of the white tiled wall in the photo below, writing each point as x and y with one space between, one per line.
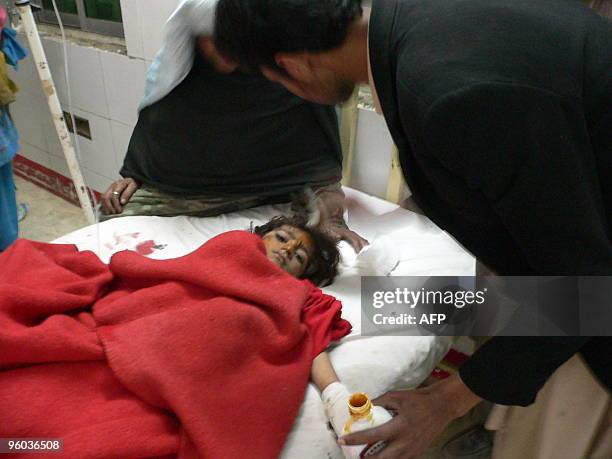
58 164
153 15
87 85
105 89
30 119
372 155
143 24
124 82
55 57
131 28
35 154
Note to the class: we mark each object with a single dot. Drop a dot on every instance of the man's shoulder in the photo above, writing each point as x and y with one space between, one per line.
485 36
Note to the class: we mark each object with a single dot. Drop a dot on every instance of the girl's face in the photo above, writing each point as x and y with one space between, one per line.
290 248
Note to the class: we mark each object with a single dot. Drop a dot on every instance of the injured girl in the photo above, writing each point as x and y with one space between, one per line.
206 355
306 252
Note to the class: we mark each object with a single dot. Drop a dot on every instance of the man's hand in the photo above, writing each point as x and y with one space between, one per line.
422 415
331 206
118 195
343 233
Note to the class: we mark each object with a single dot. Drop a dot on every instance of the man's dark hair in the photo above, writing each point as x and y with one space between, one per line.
253 31
323 263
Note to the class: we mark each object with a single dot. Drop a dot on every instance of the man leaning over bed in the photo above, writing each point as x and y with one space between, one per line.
211 139
502 115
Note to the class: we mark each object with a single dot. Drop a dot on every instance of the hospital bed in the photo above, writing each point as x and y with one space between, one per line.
403 243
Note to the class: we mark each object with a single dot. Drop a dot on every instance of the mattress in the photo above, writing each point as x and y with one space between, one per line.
402 243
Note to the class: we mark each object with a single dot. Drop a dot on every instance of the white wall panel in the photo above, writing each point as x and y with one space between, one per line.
28 116
153 15
35 154
372 156
131 28
87 86
124 79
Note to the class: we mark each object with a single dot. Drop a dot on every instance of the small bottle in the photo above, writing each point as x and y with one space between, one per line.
363 415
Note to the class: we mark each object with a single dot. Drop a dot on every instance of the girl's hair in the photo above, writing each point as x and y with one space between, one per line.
323 263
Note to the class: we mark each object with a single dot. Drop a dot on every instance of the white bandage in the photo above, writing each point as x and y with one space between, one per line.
335 399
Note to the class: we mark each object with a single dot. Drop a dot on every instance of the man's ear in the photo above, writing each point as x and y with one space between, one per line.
296 65
221 63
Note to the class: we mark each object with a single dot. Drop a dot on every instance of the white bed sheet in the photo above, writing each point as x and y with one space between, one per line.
403 243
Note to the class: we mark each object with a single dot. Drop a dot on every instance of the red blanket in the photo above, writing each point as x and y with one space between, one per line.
207 355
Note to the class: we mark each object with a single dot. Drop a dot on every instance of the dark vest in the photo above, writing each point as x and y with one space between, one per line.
228 135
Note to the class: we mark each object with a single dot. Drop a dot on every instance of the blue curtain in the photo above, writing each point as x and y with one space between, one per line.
8 207
9 146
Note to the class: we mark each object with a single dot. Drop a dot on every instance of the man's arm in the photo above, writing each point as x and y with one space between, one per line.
511 370
332 204
528 153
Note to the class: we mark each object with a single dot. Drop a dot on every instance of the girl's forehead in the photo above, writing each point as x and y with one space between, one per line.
293 231
298 233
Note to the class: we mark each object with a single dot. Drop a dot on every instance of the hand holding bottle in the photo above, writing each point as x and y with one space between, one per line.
352 413
422 415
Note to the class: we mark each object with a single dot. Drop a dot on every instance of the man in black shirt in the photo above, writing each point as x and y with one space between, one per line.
223 141
502 115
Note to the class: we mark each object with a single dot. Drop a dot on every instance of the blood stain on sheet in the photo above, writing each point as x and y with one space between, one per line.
147 247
